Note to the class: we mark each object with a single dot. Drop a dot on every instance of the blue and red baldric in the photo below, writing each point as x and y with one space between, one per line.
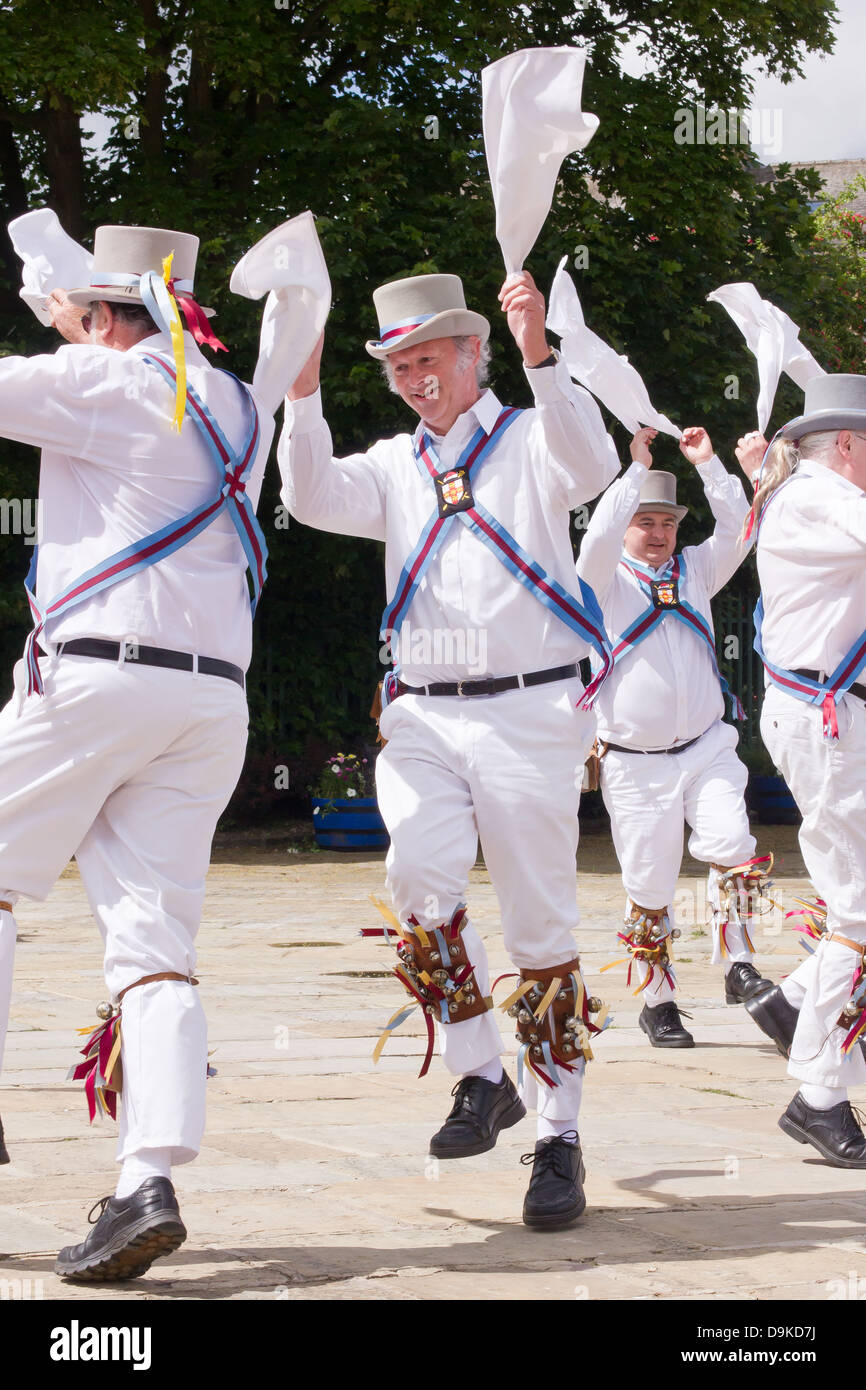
582 615
802 687
674 572
233 471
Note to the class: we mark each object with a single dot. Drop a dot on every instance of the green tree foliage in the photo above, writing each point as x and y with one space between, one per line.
226 118
839 248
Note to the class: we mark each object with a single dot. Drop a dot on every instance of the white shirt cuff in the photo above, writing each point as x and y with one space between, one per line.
304 415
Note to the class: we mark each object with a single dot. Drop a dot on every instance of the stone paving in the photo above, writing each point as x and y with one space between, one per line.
314 1181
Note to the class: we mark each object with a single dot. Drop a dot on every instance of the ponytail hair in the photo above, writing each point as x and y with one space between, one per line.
780 463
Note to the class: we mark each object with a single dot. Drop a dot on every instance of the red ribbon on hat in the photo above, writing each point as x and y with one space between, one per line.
196 319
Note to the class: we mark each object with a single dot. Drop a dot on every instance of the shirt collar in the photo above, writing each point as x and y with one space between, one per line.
811 468
645 565
161 342
484 412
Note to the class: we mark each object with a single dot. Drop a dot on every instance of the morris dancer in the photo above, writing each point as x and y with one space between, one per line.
667 756
127 731
811 523
474 510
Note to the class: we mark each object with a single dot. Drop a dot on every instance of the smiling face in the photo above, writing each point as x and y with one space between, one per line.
432 381
652 537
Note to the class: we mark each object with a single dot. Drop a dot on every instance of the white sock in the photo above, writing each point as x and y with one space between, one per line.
548 1128
658 991
147 1163
822 1097
491 1071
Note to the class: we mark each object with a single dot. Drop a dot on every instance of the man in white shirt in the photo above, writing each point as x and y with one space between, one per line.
484 737
811 505
127 730
666 754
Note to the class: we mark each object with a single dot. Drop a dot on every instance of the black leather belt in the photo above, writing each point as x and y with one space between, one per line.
492 685
137 655
855 689
648 752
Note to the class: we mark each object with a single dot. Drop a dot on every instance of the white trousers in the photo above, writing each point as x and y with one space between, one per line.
828 783
506 770
128 768
649 797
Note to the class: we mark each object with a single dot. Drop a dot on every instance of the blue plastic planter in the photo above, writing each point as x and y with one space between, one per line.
770 801
347 823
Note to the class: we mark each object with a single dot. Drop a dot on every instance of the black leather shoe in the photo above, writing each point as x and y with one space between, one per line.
664 1027
744 982
555 1196
835 1133
481 1109
129 1234
4 1152
775 1017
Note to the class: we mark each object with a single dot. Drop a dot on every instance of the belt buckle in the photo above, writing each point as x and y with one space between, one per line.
460 692
127 650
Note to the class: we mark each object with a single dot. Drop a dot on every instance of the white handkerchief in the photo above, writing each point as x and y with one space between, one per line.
52 260
594 364
772 337
288 266
532 119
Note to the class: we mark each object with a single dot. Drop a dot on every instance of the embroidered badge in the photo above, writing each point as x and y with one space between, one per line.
665 593
454 492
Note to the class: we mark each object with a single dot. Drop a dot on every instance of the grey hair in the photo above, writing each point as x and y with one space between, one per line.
782 459
463 344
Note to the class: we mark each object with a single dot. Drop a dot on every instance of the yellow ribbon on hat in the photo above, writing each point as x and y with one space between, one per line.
177 346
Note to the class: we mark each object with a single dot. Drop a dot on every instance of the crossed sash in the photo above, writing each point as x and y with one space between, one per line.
663 589
582 615
233 471
804 688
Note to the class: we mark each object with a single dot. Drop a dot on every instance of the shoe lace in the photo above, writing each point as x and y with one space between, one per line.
553 1156
102 1204
854 1120
672 1012
463 1093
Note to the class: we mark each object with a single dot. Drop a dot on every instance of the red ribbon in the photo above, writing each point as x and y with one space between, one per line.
831 726
196 320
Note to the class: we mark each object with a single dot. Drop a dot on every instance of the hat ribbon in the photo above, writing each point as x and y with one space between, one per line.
161 296
400 328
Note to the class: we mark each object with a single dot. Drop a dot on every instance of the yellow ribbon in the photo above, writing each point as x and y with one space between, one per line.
112 1062
548 998
518 993
386 1033
176 328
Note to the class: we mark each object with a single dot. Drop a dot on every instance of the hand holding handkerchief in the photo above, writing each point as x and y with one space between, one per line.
52 260
287 265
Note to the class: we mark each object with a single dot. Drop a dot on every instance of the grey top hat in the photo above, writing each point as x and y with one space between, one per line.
131 251
832 403
418 309
659 494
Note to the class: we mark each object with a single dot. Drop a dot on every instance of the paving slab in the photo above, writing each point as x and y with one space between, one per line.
314 1182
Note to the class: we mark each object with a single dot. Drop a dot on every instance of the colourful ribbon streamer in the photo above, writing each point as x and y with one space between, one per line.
101 1055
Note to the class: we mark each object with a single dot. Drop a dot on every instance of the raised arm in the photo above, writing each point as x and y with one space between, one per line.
343 495
724 551
569 441
602 545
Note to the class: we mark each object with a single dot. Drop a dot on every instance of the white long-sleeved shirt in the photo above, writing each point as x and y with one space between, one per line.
113 472
812 567
665 691
469 617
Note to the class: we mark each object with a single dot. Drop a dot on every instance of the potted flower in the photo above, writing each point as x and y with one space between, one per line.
345 813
